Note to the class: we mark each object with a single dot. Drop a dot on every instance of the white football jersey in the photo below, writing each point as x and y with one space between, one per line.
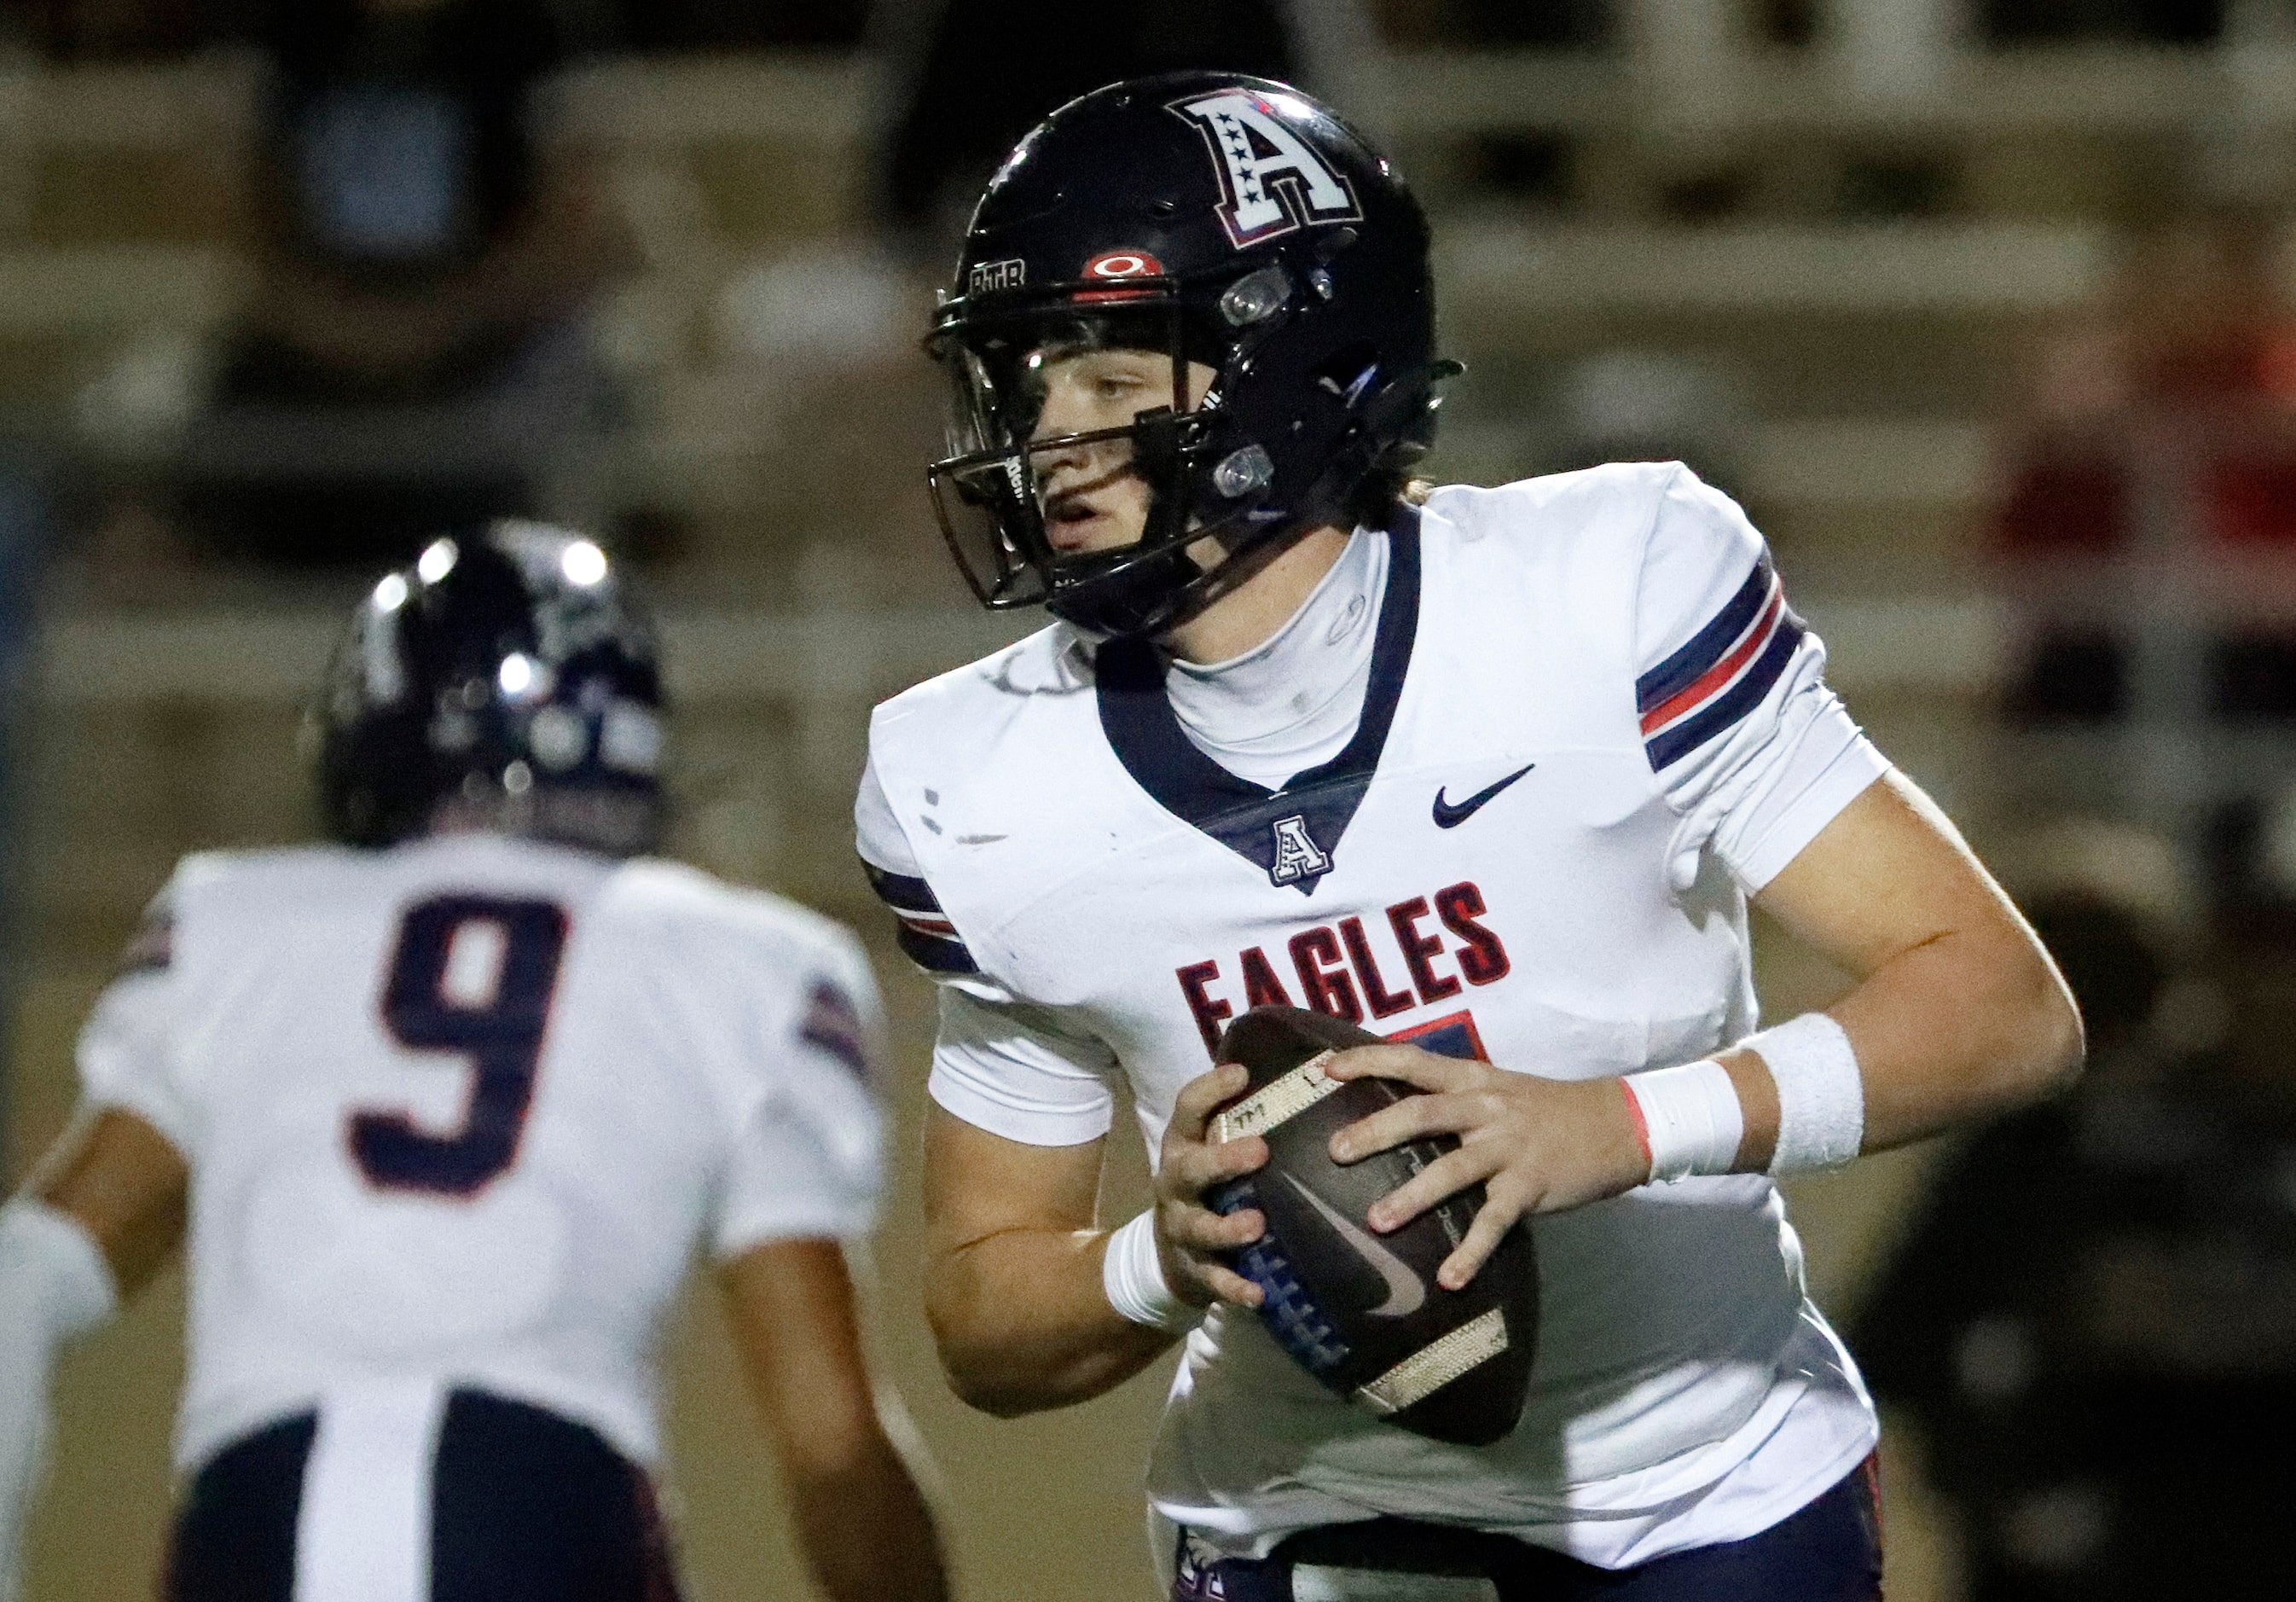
464 1109
1591 726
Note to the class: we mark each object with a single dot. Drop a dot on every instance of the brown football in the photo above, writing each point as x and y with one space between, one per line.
1359 1311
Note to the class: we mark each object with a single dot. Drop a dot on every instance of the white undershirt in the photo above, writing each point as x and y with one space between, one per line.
1292 701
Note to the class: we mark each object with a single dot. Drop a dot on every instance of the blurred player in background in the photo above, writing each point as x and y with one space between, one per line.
429 237
2093 1317
443 1109
1493 770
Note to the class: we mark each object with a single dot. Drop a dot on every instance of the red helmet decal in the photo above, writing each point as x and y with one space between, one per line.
1123 264
1120 263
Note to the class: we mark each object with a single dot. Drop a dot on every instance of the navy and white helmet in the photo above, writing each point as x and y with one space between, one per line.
506 670
1226 220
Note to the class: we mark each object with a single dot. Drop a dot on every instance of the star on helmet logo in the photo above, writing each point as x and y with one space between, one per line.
1271 181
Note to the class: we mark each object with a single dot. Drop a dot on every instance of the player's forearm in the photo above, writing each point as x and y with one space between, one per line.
1956 1028
1966 1026
868 1535
1024 1323
1957 1013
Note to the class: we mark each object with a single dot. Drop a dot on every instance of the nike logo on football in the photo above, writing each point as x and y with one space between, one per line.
1404 1291
1450 815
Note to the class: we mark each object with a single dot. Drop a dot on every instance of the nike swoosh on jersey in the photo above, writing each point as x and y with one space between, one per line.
1450 815
1404 1291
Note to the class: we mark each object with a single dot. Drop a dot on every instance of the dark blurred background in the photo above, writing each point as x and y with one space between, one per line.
1980 305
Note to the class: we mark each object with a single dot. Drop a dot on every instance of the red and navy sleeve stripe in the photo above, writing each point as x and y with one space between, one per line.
926 934
1722 674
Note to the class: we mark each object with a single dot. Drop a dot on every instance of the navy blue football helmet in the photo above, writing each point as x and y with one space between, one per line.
1222 219
507 674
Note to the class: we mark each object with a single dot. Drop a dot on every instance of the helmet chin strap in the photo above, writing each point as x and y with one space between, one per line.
1144 598
1166 588
1325 502
1156 603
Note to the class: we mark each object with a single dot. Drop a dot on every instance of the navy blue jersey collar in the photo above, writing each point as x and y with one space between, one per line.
1292 833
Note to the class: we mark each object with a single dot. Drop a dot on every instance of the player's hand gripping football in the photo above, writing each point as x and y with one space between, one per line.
1191 1238
1535 1144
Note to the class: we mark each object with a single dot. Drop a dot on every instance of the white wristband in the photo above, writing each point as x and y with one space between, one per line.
1821 1094
1133 1277
52 1269
54 1285
1688 1119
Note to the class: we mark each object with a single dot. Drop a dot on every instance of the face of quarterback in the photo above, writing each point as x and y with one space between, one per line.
1093 500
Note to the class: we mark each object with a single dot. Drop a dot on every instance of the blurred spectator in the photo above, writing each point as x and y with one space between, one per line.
2094 1321
2159 446
2195 324
975 75
2195 316
416 354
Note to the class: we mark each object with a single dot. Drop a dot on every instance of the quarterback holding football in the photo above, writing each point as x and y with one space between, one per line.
1492 773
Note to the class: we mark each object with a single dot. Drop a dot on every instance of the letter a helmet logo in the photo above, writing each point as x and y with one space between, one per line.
1271 181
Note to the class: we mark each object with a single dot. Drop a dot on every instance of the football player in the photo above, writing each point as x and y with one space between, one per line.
1495 771
442 1110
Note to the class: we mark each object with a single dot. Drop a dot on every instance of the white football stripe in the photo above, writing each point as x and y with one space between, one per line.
1273 1104
1436 1364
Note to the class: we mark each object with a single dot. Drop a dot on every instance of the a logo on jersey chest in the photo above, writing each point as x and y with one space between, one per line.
1293 837
1297 859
